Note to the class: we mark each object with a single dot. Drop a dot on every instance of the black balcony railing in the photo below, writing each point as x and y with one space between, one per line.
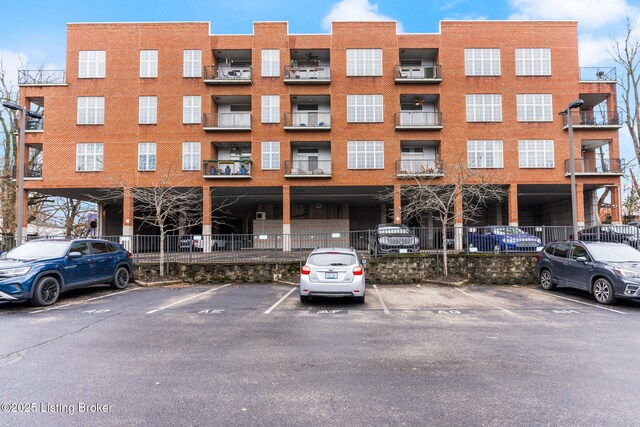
239 120
310 119
596 166
316 73
31 171
228 73
227 168
416 73
41 77
34 124
597 74
594 118
419 167
307 167
418 119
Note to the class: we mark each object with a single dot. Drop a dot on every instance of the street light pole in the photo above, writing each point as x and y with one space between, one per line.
23 113
572 166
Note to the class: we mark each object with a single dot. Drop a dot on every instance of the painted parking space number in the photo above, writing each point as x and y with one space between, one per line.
212 311
566 311
329 311
104 310
448 312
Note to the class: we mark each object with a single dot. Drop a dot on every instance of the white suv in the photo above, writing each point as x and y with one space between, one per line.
332 272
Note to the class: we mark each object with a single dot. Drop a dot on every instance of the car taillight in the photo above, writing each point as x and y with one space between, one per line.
357 271
537 256
305 270
129 255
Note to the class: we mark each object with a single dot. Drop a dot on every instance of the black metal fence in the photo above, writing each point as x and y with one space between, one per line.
296 247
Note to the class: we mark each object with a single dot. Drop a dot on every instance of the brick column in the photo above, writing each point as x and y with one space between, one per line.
286 218
397 204
457 222
206 218
513 204
580 203
127 212
616 208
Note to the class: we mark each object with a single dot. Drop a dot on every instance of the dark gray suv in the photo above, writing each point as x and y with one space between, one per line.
606 270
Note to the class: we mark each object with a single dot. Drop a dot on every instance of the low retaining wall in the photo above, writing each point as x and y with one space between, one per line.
389 270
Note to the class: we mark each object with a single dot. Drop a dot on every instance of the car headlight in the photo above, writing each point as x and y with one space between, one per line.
627 273
13 272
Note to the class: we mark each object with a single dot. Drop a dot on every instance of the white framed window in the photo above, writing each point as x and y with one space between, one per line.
192 63
535 154
364 62
484 108
482 62
533 62
91 64
270 109
191 109
148 63
90 110
148 110
484 154
534 107
364 108
190 156
270 62
365 155
89 157
270 155
146 156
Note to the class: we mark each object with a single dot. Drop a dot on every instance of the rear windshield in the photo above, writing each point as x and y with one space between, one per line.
614 253
331 259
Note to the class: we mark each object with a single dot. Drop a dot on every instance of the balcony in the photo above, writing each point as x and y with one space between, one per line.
419 168
592 119
417 73
31 172
307 168
227 75
226 169
34 125
596 167
597 75
312 120
42 78
307 75
213 122
418 120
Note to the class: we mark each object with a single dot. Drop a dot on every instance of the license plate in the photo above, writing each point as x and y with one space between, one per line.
330 275
404 251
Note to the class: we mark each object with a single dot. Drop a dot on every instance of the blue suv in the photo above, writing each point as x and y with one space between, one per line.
40 270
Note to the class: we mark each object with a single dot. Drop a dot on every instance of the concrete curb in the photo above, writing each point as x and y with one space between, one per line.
160 283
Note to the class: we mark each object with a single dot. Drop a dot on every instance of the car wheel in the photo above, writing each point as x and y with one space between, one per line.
46 291
359 300
305 299
546 280
120 278
603 291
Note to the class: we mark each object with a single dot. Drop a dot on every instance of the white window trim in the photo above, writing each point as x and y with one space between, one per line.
270 63
148 64
525 152
146 154
363 148
479 147
191 111
188 151
482 62
270 155
479 109
147 110
94 113
364 62
530 111
192 65
92 64
270 111
97 156
533 61
362 107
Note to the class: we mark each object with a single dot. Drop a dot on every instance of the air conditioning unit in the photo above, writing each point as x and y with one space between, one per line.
261 215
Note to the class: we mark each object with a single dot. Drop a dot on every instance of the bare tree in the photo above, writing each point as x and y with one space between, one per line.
8 120
427 197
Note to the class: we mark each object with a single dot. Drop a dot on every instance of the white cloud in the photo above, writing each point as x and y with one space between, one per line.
594 51
10 62
590 14
355 10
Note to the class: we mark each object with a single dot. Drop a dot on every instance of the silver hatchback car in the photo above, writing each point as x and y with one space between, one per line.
332 272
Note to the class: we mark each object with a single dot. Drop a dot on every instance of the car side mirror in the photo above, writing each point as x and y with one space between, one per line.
74 255
581 259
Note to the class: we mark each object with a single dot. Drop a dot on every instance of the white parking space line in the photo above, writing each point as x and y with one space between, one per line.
484 301
579 302
384 306
279 301
189 298
84 300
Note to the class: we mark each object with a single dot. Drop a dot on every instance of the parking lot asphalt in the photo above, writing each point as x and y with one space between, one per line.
255 355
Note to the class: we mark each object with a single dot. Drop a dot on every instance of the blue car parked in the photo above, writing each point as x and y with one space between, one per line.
40 270
503 238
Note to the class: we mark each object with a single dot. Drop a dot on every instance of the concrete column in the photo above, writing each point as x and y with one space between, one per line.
286 218
206 218
616 208
513 204
458 215
580 203
127 212
397 204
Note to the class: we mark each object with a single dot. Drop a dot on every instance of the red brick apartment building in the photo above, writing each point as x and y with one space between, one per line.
310 128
